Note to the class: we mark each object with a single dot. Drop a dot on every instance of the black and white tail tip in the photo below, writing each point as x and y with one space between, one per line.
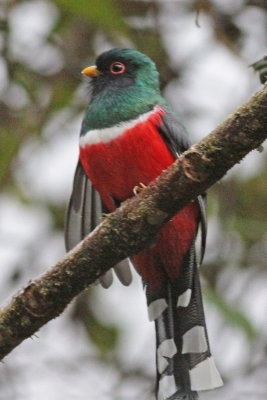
184 361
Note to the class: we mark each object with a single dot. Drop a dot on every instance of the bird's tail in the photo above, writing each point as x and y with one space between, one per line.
183 357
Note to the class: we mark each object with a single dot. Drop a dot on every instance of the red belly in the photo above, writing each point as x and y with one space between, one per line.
116 167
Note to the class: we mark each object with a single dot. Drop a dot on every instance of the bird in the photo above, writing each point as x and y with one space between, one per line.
129 135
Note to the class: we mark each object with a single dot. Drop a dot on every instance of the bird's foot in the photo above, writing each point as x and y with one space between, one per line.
138 188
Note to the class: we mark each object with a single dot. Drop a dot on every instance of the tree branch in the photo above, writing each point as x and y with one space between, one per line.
135 224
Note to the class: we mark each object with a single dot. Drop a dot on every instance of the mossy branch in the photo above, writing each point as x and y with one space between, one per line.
135 224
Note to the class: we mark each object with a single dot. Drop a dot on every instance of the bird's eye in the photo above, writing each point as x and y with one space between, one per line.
117 68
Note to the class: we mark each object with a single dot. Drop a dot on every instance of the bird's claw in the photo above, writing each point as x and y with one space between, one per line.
138 188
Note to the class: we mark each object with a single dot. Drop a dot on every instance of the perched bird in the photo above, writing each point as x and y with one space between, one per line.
129 135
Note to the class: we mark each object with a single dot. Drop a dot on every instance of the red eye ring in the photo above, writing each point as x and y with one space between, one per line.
117 68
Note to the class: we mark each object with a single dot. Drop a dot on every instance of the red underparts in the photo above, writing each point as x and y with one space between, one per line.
116 167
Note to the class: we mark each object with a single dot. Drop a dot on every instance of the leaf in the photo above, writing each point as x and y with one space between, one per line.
9 146
261 67
104 336
104 14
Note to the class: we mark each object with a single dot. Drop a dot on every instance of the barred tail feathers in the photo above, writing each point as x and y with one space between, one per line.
183 357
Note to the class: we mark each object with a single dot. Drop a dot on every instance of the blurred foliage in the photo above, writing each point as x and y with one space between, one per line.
234 316
225 29
35 90
261 67
242 204
103 336
104 15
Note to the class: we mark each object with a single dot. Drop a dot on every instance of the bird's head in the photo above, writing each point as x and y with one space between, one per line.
118 70
124 85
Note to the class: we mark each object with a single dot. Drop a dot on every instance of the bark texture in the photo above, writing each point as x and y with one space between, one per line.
135 224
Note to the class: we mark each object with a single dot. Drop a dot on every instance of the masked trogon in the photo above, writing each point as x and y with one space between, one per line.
129 135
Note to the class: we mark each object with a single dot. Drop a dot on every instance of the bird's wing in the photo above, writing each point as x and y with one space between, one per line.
175 136
84 213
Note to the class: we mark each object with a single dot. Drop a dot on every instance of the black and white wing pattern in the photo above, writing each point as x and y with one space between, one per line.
84 213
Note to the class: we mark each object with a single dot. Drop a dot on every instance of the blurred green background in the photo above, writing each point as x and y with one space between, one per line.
103 345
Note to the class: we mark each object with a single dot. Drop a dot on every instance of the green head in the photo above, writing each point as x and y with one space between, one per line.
124 84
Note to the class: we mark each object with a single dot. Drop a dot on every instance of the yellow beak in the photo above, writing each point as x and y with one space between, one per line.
91 71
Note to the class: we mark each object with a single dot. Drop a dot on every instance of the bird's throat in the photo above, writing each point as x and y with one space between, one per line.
111 108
